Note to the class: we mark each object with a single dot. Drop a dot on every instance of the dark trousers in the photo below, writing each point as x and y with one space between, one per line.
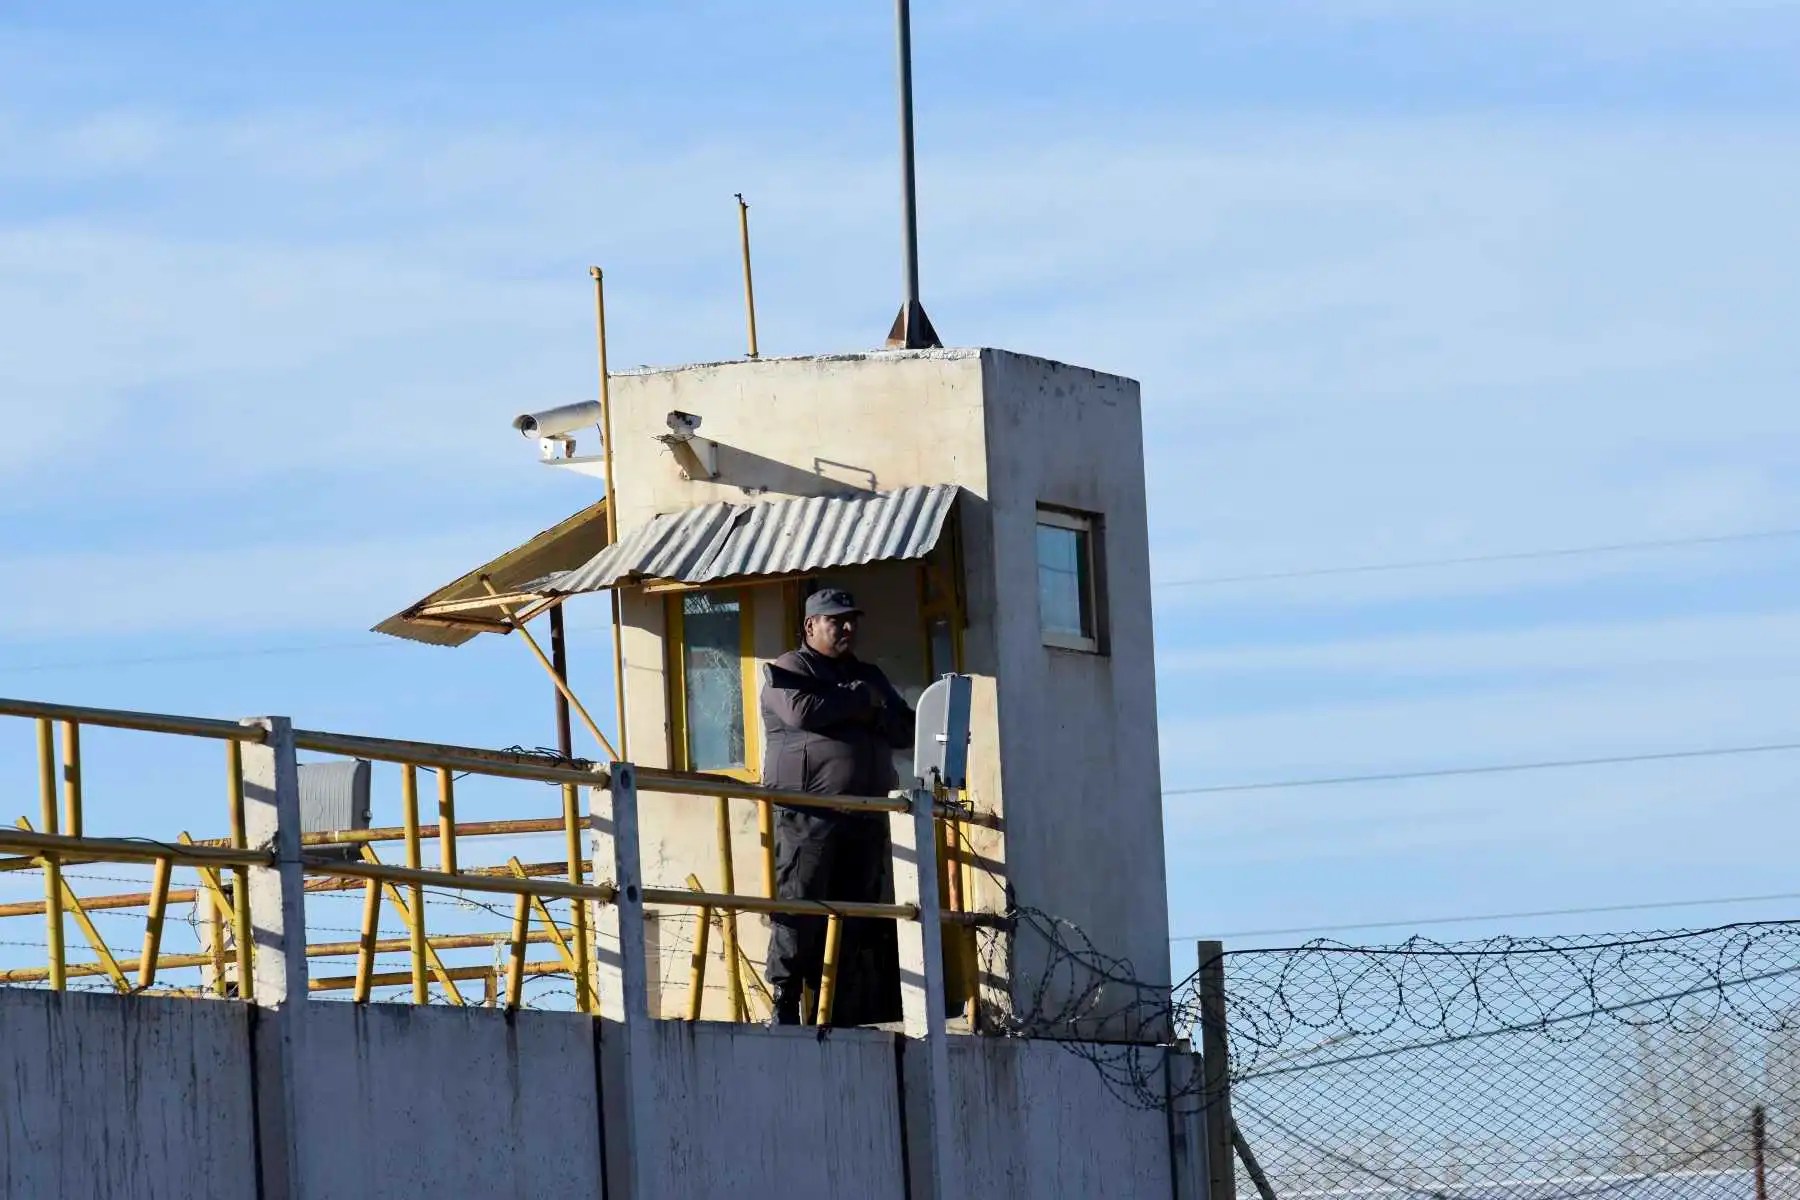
828 856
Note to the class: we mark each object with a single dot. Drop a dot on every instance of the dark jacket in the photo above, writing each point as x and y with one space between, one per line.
822 733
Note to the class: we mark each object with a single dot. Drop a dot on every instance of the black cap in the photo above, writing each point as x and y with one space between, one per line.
831 602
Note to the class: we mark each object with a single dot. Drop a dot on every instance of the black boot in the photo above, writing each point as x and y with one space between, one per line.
787 1004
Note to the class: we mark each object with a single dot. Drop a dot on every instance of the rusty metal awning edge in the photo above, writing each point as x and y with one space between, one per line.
460 610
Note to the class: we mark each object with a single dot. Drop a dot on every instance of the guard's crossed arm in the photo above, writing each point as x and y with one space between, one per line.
813 706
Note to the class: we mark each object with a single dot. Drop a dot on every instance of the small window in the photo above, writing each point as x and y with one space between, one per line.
712 680
1068 587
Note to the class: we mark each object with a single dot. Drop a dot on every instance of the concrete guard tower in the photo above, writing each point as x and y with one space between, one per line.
988 510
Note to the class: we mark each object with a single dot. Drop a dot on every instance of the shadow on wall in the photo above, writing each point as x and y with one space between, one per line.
755 473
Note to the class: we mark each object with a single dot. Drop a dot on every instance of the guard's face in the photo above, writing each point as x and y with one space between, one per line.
832 636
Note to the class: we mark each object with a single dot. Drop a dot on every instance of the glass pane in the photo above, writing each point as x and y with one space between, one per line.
1062 581
712 626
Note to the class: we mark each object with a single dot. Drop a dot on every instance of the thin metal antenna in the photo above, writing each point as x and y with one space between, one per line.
912 328
749 288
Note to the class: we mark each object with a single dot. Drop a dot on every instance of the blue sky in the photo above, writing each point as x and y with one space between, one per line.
1402 280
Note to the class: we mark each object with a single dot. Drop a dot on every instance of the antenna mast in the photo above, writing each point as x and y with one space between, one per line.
912 328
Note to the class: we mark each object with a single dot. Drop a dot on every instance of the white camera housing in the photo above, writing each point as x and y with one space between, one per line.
682 425
555 422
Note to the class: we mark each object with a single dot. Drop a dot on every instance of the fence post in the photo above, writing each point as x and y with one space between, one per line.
1187 1144
1215 1064
278 962
1758 1150
623 987
931 1152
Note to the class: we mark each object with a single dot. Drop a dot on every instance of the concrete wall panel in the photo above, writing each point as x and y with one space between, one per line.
124 1098
742 1111
402 1101
1038 1123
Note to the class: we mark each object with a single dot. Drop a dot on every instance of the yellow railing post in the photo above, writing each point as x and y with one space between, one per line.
409 817
240 899
71 778
765 820
515 969
697 961
53 886
446 820
834 937
159 906
578 912
728 885
413 917
365 949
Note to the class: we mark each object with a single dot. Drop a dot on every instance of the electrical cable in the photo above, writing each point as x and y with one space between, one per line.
1471 559
1262 785
1510 916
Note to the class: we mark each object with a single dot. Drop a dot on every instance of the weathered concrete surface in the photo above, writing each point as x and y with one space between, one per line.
740 1111
1038 1123
1077 731
107 1096
404 1102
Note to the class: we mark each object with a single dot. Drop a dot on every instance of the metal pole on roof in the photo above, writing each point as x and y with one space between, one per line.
559 662
912 328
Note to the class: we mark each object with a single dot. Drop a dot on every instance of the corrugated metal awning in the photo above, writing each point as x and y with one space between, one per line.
458 611
776 537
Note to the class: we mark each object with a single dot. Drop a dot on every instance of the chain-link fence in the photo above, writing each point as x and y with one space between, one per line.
1523 1068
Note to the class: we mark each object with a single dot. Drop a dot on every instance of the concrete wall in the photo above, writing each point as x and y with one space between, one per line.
146 1097
128 1098
405 1101
1038 1122
1082 795
743 1111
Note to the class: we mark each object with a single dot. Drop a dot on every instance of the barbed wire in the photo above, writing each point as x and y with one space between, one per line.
1516 1068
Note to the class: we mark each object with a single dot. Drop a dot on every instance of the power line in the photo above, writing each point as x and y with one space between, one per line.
1511 916
1466 560
1264 785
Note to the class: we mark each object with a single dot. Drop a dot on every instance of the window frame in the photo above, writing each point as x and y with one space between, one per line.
675 675
1089 528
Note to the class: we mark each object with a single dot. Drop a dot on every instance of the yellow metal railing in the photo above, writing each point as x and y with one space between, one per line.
223 866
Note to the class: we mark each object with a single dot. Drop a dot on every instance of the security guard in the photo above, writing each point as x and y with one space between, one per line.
831 724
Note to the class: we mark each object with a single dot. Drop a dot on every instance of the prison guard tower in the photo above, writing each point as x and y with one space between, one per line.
987 509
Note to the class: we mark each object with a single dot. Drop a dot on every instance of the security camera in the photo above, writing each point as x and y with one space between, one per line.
555 422
683 425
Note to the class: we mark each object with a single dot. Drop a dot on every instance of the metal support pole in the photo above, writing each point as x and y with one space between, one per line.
765 825
240 891
515 966
828 971
559 663
53 888
578 909
1759 1150
365 950
71 733
749 287
728 886
159 907
1216 1073
409 817
697 964
912 328
447 820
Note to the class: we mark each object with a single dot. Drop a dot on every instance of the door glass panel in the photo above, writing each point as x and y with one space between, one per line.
712 628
